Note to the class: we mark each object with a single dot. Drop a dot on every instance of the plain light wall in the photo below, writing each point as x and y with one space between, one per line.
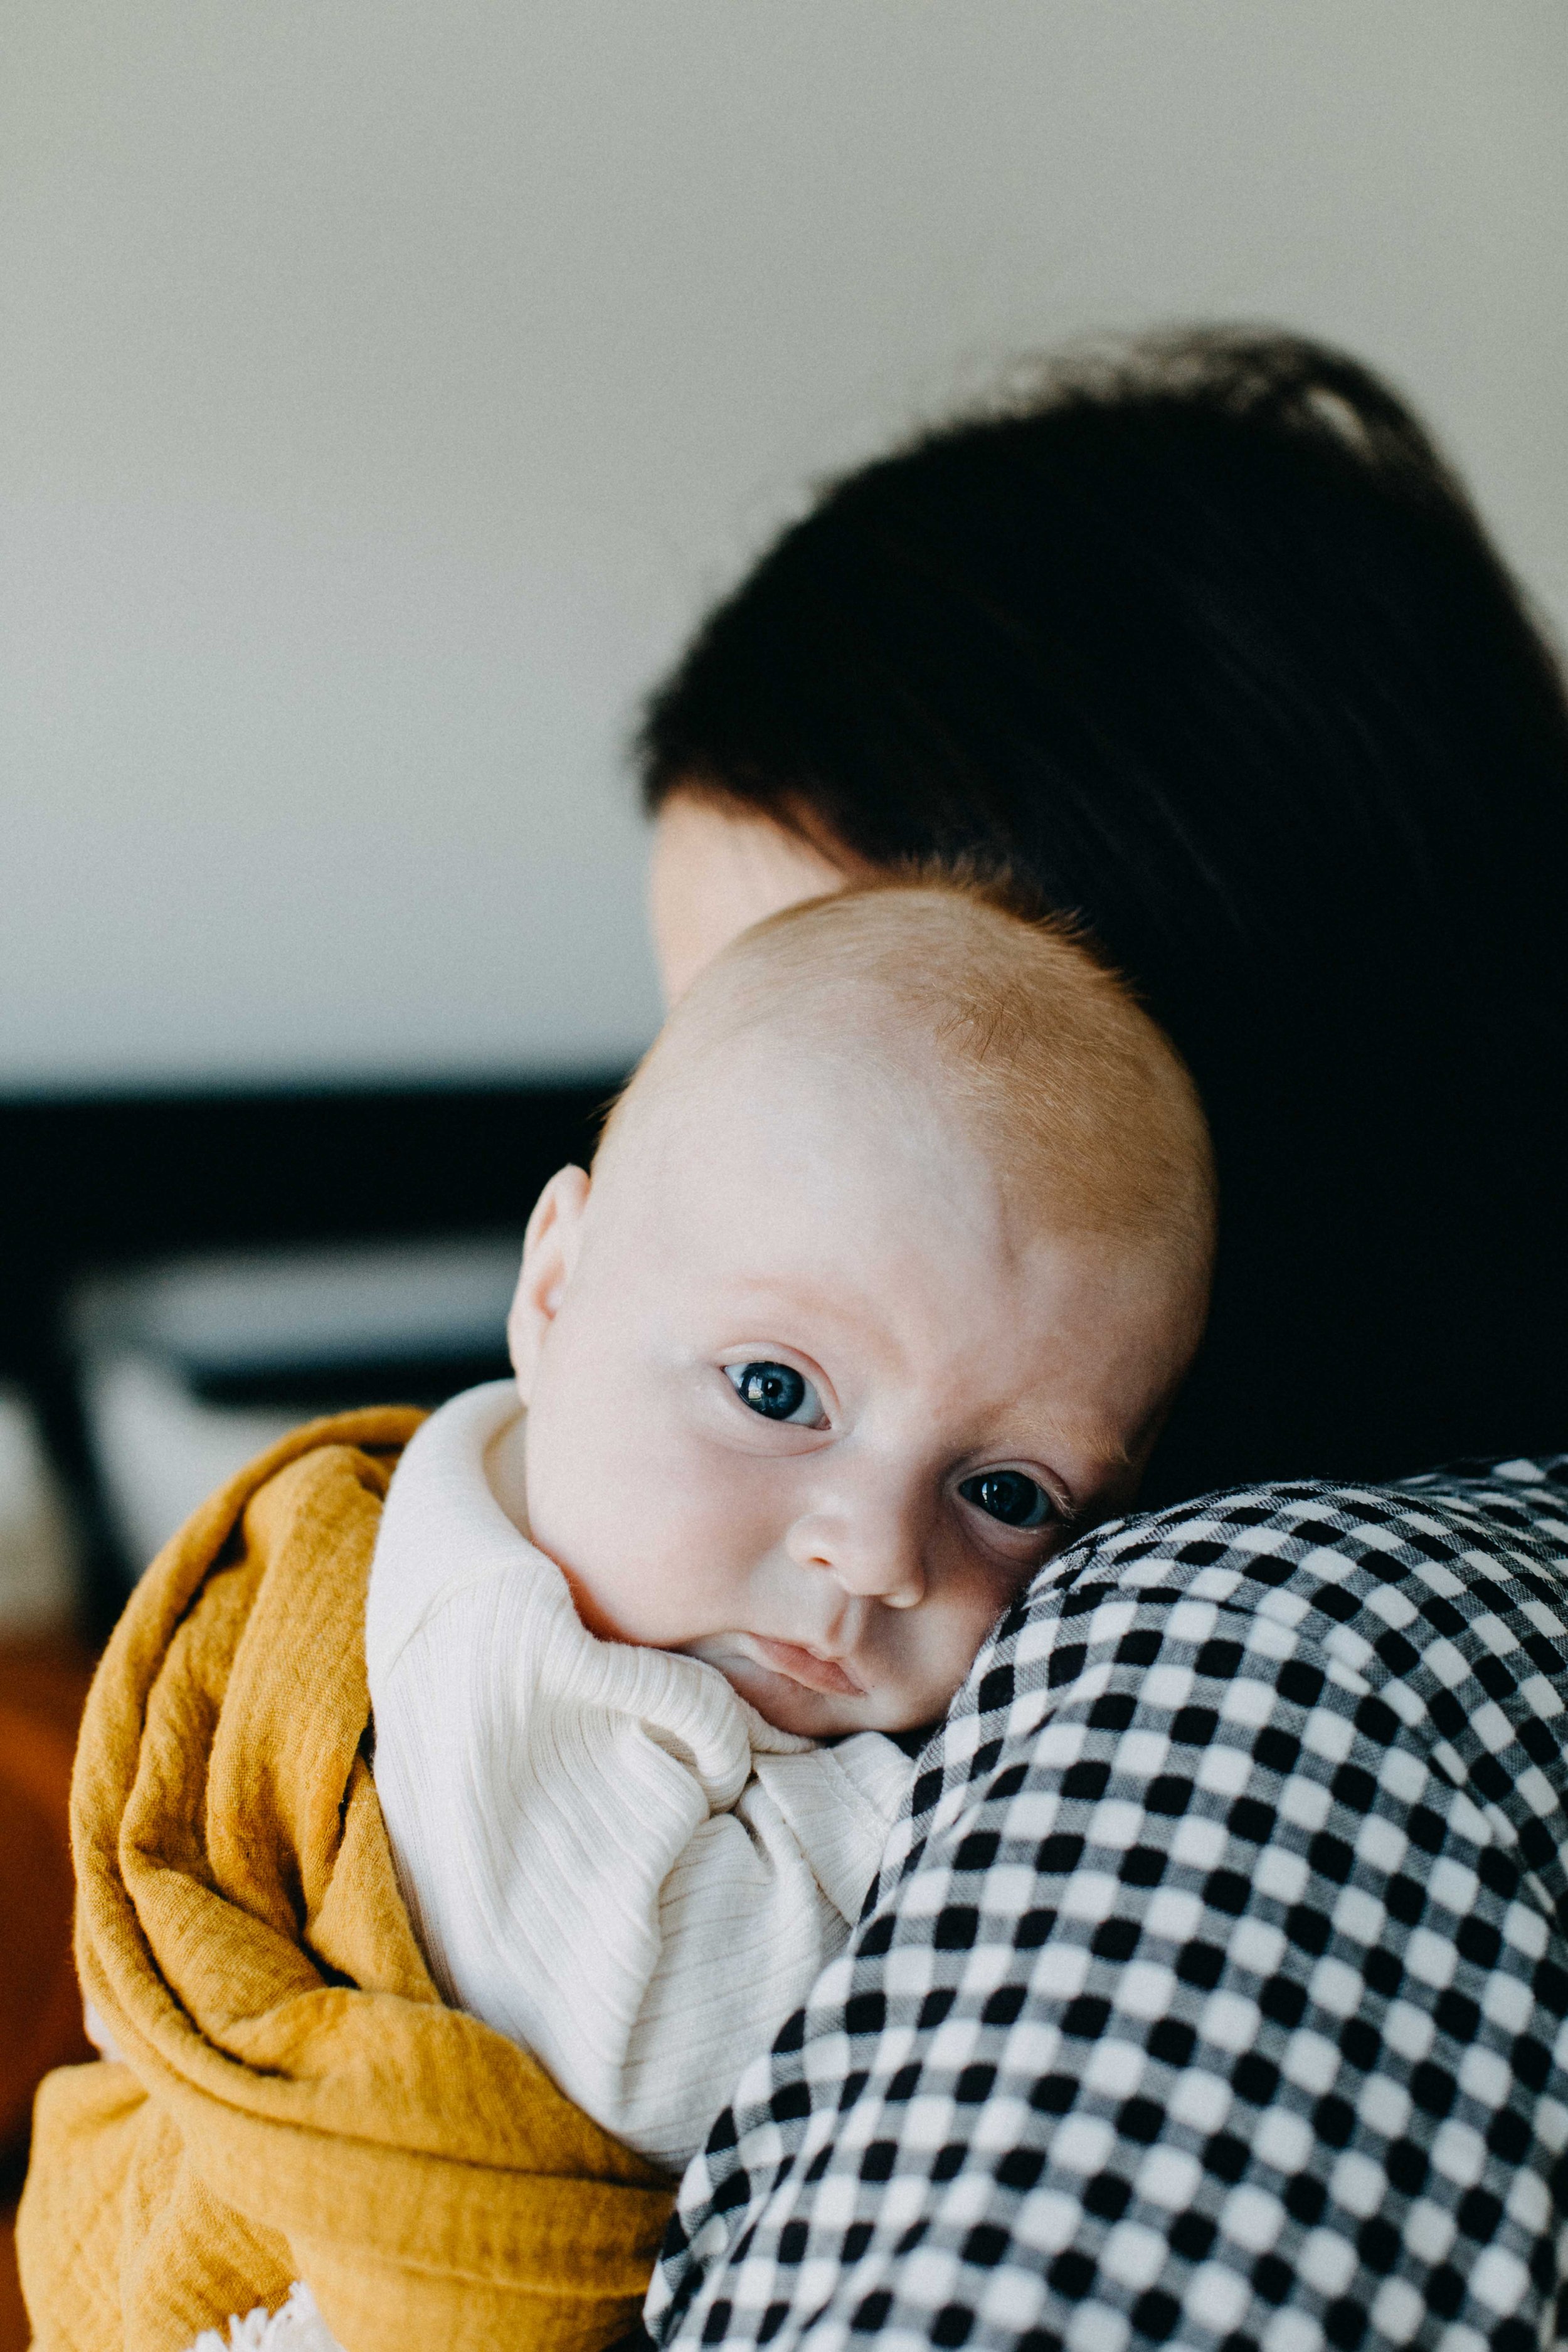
385 386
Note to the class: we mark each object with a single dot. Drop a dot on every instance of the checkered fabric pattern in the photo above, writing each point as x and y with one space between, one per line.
1213 1993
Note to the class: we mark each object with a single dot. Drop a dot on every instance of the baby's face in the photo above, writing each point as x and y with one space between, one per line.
808 1399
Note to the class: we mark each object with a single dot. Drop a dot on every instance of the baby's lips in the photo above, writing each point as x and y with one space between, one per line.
805 1666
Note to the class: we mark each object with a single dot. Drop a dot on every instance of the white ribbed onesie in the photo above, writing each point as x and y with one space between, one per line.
608 1855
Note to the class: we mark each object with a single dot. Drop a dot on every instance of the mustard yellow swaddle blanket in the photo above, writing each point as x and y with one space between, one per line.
293 2099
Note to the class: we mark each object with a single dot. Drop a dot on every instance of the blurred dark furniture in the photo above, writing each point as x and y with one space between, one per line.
97 1183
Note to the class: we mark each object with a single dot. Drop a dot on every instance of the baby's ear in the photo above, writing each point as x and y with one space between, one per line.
548 1253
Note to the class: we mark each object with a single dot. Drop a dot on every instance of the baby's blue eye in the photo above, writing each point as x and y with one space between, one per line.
1010 1497
777 1392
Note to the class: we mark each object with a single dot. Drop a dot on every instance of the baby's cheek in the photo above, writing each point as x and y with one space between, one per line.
672 1571
938 1655
986 1603
581 1522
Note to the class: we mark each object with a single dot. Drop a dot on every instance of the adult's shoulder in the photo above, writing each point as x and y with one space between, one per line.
1225 1916
1431 1602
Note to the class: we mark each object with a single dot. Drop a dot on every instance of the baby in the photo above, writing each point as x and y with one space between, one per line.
892 1256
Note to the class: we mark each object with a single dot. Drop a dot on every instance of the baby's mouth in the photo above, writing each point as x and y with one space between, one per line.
805 1666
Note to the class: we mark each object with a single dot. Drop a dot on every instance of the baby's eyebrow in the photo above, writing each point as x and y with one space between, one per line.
804 1296
1106 1446
1102 1449
797 1285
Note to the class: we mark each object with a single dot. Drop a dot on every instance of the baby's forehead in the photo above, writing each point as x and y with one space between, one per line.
869 1072
771 1131
929 1022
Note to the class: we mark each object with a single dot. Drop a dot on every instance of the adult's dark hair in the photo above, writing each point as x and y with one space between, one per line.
1205 643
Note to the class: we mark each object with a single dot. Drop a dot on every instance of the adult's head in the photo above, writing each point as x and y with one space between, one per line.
1204 644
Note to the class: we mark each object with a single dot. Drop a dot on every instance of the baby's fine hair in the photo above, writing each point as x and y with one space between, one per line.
1068 1086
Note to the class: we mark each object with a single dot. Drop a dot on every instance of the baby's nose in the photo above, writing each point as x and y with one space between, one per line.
872 1560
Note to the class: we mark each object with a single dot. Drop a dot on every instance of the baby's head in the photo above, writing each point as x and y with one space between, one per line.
895 1251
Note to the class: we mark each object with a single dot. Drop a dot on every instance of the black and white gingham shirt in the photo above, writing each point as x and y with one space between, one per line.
1214 1992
